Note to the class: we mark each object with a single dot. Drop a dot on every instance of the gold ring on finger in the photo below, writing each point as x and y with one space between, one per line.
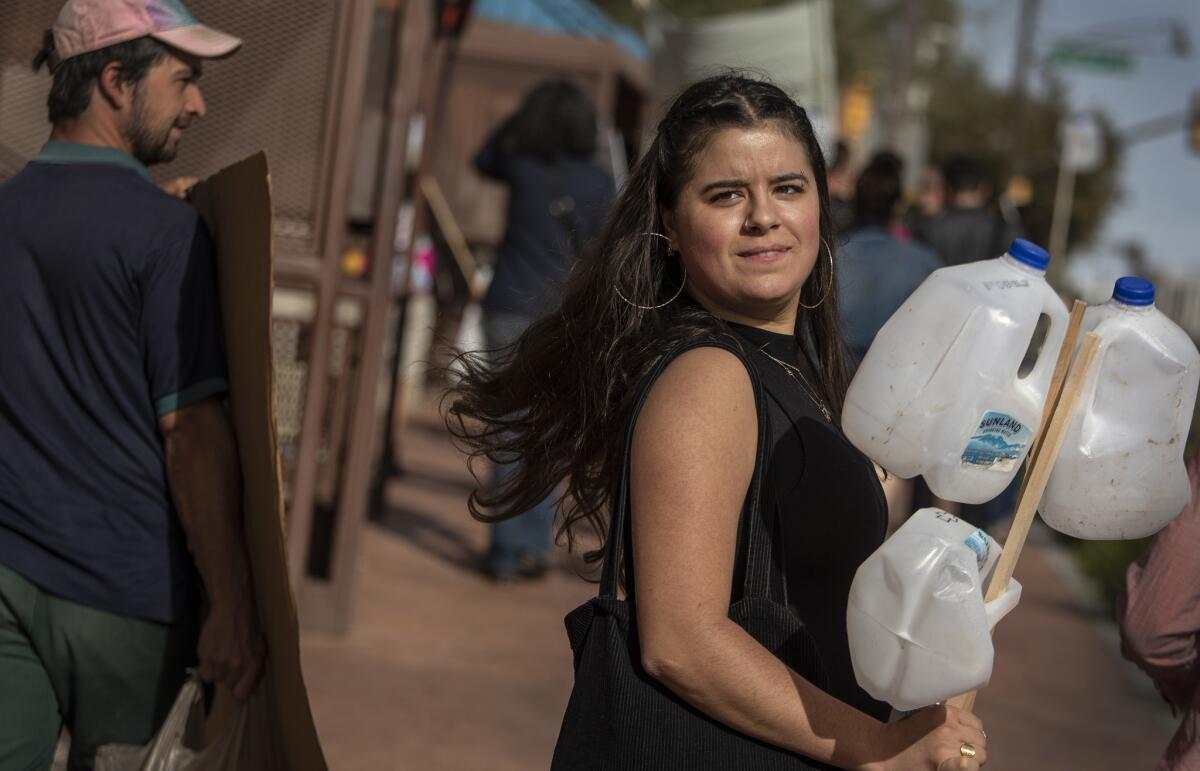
966 750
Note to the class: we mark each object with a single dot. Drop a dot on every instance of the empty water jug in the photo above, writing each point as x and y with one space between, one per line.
1120 473
938 392
919 630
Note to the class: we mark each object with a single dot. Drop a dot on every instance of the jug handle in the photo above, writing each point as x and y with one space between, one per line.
1003 605
1048 356
1087 397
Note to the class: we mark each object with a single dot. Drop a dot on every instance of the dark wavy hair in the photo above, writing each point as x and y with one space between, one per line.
556 120
878 190
558 401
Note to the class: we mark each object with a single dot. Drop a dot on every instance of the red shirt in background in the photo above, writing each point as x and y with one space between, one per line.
1159 616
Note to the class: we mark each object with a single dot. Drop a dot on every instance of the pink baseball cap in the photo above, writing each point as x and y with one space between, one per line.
89 25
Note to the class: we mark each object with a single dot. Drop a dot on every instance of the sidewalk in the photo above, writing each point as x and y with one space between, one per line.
444 671
1061 696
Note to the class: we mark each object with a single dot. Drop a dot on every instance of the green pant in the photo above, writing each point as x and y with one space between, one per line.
108 678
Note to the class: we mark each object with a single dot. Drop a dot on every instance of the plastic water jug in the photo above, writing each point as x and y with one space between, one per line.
938 392
1120 473
919 630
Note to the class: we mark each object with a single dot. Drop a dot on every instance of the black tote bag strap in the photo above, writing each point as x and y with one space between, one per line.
760 570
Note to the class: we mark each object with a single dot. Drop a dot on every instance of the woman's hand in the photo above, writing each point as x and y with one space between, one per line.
932 740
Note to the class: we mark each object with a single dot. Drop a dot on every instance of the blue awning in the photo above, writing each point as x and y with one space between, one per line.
571 17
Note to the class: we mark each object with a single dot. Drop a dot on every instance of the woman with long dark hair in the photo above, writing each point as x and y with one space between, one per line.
688 391
557 197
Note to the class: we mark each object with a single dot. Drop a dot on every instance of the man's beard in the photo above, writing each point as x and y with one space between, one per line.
149 143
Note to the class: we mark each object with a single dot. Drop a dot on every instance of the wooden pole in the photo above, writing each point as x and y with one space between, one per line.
453 234
1035 482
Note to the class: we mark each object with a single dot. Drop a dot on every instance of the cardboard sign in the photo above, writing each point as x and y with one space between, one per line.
236 205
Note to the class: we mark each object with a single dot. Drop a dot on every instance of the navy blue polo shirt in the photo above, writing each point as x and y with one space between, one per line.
109 319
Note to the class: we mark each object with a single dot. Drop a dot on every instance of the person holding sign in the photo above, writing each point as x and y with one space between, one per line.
690 384
119 474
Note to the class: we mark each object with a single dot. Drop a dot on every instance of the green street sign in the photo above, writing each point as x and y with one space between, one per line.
1096 59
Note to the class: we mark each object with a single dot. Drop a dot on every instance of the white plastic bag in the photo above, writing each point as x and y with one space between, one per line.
918 627
470 337
178 746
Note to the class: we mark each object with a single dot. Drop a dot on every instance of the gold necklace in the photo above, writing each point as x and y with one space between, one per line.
798 375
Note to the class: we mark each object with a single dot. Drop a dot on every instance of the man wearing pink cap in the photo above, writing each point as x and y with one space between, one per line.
119 481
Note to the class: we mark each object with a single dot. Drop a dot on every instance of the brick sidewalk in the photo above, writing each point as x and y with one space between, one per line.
443 671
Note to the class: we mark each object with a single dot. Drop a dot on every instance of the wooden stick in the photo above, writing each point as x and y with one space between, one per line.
1035 482
1065 352
450 229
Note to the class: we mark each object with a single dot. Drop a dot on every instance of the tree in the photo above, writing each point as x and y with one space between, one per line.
871 36
891 44
967 116
966 113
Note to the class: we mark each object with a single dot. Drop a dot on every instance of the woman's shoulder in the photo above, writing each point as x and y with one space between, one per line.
711 359
701 406
707 377
720 351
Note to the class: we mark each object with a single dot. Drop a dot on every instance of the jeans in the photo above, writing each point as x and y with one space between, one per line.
526 536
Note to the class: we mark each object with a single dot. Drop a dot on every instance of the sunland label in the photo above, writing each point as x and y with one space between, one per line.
998 443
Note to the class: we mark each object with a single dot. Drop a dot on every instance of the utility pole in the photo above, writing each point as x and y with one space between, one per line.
1064 200
898 128
1025 55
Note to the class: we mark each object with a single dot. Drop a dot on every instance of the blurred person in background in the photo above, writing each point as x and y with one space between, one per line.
877 270
119 476
557 199
715 271
841 187
877 273
1159 617
929 203
968 229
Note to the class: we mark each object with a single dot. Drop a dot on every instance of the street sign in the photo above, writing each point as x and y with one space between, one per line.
1082 56
1083 143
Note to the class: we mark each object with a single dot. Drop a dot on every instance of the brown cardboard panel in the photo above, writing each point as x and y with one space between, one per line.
236 204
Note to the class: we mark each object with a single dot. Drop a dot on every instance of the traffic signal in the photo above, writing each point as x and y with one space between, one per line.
1194 124
450 17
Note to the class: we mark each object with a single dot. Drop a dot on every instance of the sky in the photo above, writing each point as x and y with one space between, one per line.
1160 178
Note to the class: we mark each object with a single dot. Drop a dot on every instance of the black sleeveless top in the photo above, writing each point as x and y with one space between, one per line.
828 503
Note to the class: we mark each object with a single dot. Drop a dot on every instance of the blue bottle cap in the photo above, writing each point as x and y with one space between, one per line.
1132 290
1029 253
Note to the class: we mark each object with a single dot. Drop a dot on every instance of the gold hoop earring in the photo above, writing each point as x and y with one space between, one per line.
674 297
827 286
